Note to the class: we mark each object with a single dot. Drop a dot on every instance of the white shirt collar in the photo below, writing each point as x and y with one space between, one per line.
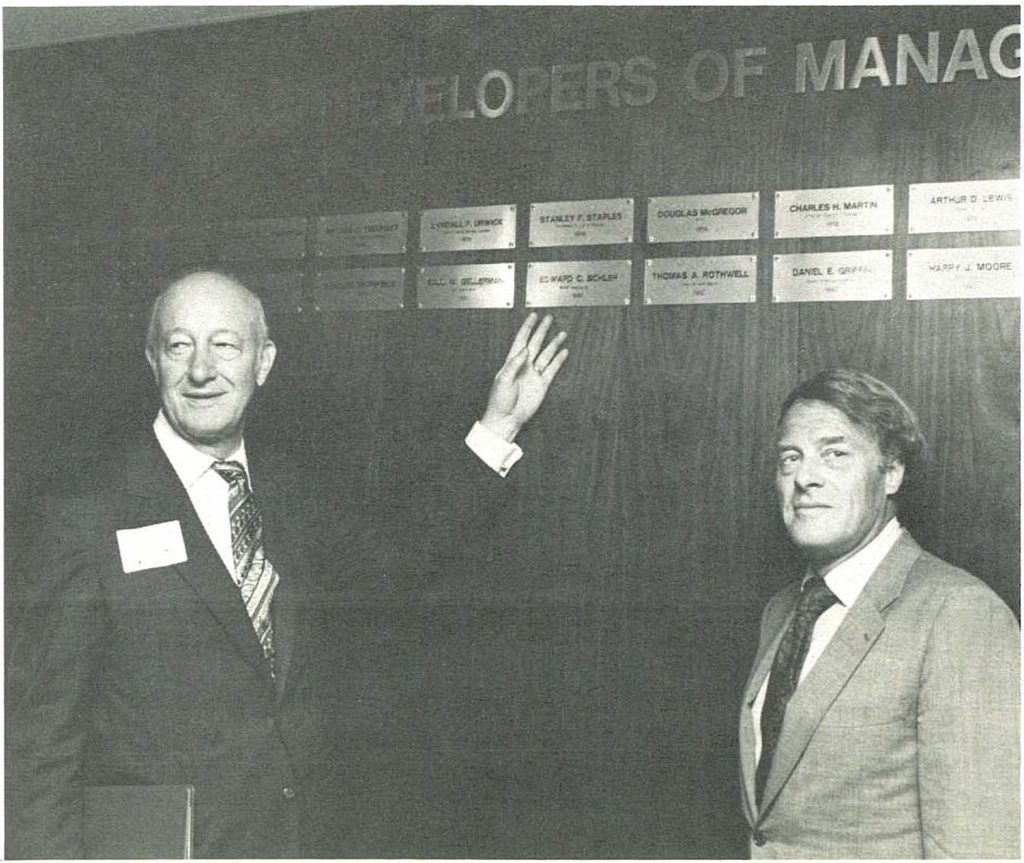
189 463
847 579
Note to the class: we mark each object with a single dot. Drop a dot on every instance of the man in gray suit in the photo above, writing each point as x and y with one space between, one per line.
881 718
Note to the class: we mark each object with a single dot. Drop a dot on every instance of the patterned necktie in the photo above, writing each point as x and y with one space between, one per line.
254 574
785 674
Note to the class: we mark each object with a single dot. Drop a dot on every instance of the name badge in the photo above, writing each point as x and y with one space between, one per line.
151 546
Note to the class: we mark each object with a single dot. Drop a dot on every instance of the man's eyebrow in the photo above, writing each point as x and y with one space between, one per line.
824 441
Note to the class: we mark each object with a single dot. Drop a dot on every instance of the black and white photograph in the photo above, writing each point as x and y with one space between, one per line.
511 431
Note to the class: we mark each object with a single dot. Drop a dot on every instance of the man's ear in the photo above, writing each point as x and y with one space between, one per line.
894 470
267 356
152 362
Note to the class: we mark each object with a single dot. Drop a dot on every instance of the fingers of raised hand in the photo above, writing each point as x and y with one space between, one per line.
523 336
543 359
512 365
537 339
551 369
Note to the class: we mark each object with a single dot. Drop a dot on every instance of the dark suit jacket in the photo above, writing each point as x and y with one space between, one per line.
156 676
903 739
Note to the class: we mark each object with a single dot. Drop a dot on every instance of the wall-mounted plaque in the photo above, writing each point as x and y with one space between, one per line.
578 283
264 238
719 279
832 277
581 223
466 286
944 274
361 288
463 228
976 205
362 233
846 212
690 218
278 291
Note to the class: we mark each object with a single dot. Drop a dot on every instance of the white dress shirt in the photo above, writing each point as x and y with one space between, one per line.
206 488
846 581
493 450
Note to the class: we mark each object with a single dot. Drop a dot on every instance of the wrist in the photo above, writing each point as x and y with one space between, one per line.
504 427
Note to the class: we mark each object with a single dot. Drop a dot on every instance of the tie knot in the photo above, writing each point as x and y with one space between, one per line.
816 597
231 471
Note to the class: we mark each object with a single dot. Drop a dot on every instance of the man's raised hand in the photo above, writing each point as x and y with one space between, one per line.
522 382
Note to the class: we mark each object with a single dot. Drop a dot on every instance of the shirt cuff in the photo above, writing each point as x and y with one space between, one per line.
493 450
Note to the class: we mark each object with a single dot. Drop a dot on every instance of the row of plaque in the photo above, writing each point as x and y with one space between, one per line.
963 272
984 205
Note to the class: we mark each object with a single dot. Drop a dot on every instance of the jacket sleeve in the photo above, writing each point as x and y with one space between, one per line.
968 729
424 507
54 653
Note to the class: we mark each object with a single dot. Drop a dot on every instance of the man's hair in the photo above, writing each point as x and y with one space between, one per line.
872 406
153 330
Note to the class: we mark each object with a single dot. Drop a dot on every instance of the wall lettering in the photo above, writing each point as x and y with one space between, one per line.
705 75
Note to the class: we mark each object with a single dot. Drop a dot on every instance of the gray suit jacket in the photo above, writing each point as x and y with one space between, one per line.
903 739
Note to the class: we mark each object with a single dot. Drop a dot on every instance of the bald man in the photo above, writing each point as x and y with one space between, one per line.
173 637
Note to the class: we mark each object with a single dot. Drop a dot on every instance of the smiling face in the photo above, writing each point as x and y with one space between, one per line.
209 353
833 483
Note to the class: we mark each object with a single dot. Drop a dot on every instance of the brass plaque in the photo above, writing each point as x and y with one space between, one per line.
832 277
466 228
845 212
264 238
466 286
945 274
691 218
581 223
976 205
578 283
362 233
683 281
278 291
375 288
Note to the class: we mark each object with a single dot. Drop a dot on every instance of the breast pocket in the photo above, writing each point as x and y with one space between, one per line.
871 702
146 592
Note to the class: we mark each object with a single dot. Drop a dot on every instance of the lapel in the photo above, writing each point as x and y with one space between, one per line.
156 494
857 634
762 665
285 541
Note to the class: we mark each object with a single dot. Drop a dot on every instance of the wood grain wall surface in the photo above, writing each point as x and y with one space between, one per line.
570 688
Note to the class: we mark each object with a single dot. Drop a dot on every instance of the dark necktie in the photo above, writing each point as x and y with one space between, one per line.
815 599
254 575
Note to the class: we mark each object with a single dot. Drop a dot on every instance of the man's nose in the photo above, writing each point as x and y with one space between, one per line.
201 368
808 473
